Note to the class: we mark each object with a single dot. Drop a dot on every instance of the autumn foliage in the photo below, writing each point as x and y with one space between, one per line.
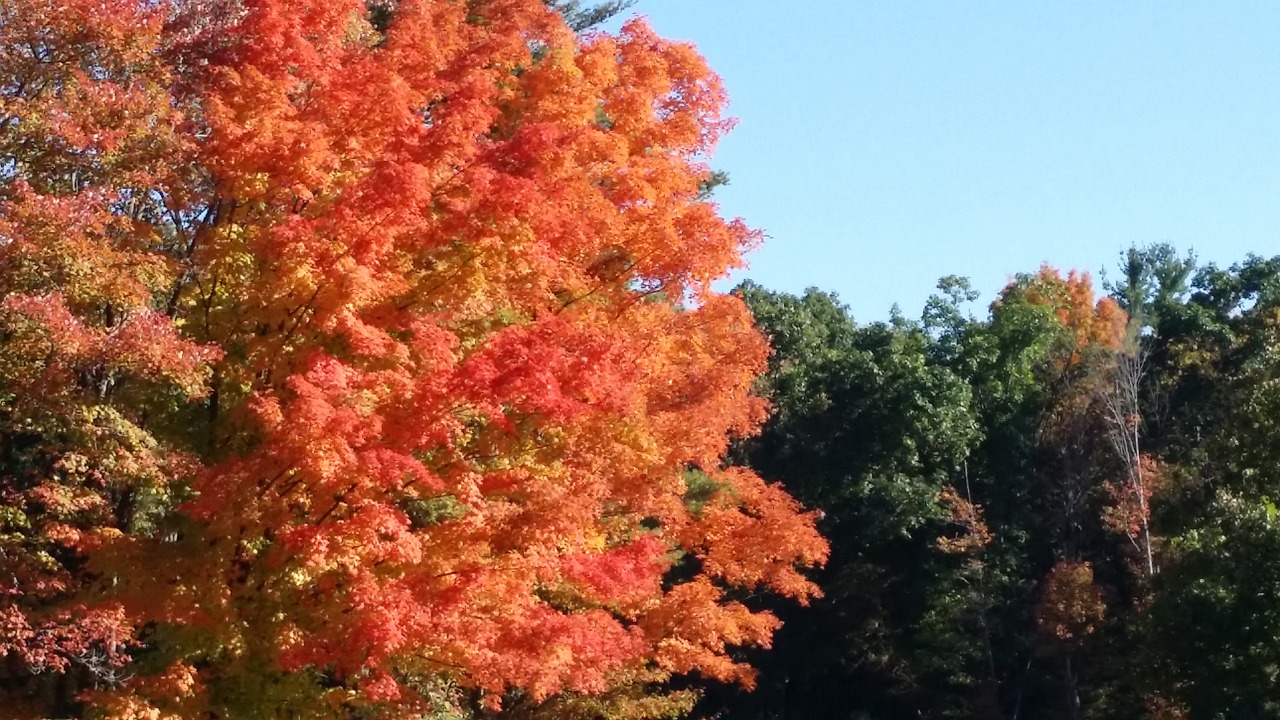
973 535
1091 323
1071 605
352 351
1128 507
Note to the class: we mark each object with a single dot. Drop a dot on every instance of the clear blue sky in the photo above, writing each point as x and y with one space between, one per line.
883 144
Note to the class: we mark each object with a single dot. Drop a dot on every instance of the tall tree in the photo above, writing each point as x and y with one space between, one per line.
354 357
866 428
1214 619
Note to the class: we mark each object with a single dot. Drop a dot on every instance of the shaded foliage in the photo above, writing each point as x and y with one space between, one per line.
996 552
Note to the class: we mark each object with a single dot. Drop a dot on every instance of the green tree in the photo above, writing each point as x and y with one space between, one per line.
958 461
869 428
1213 628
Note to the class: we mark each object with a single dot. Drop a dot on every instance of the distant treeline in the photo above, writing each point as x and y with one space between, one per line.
1064 507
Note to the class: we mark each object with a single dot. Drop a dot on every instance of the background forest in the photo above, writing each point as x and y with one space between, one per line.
1062 508
367 360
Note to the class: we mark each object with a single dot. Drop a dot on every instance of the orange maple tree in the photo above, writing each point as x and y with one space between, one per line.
1101 323
353 350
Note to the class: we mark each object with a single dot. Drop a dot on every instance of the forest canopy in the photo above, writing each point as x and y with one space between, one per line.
1063 507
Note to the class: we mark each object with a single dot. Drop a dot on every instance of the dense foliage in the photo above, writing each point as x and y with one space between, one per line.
360 360
1065 508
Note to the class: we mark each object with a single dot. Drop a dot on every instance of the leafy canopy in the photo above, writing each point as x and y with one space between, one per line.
353 358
